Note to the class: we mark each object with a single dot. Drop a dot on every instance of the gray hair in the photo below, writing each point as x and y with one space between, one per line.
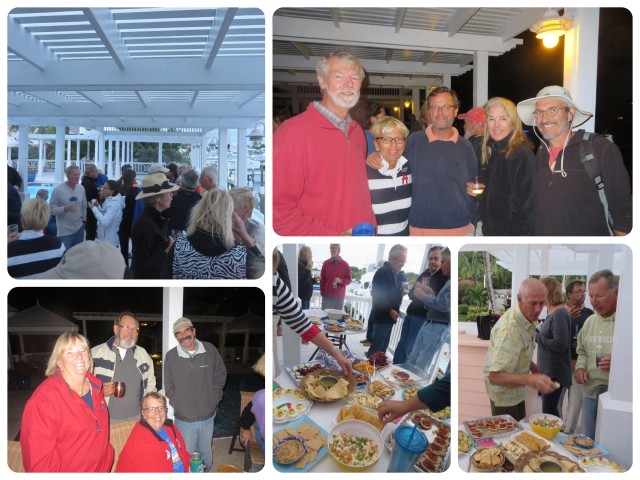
323 64
210 172
189 179
43 193
395 251
607 274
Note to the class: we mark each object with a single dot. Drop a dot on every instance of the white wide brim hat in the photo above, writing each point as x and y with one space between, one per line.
526 107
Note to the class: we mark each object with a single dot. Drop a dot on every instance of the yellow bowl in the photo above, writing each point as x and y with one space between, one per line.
545 432
359 429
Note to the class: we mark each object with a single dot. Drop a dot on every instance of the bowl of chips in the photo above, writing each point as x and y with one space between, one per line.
545 425
487 460
355 445
289 450
316 386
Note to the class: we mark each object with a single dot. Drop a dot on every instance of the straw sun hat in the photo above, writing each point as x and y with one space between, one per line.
155 184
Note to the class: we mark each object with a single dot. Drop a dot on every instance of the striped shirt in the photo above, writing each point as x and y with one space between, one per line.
391 197
286 305
33 253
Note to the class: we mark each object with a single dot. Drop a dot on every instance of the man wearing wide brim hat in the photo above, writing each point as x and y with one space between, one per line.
150 237
568 200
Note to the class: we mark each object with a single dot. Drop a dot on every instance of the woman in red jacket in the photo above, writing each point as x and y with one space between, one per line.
155 444
65 425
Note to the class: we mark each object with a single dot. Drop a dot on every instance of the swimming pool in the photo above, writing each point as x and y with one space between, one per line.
33 188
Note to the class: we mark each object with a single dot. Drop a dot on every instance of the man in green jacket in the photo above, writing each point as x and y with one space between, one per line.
595 343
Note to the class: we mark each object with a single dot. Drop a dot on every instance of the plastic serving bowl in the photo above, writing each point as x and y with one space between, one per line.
360 429
335 314
548 433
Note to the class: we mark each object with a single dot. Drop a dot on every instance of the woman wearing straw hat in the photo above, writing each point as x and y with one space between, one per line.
150 237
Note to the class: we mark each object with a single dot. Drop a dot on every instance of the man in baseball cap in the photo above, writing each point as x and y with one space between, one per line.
474 122
568 200
194 377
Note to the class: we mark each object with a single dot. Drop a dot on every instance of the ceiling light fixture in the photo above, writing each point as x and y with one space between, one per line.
551 27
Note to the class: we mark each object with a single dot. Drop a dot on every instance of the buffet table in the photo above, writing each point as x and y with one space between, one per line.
588 463
324 415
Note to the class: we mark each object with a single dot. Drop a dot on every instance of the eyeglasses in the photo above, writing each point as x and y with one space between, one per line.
155 409
388 140
129 328
444 108
551 111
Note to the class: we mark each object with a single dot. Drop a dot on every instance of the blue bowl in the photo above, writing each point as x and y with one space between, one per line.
280 445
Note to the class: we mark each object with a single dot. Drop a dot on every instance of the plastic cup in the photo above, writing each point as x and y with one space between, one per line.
251 227
410 443
12 232
363 230
478 187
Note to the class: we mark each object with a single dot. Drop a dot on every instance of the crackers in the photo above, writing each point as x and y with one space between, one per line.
313 439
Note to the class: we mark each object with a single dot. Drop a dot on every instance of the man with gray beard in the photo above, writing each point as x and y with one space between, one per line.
320 181
121 360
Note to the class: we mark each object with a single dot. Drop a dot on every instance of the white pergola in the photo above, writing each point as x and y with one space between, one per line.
405 50
115 76
614 406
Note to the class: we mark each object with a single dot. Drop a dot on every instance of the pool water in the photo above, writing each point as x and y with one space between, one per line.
33 188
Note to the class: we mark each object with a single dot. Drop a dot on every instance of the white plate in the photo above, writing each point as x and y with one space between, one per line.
290 401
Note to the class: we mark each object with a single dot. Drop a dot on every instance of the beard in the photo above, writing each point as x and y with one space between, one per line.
124 343
344 103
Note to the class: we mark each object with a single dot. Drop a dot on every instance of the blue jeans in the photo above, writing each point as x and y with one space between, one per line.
410 328
550 402
381 337
589 416
198 437
305 304
73 238
430 339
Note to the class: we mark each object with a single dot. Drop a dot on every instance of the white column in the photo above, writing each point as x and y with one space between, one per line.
291 354
615 406
480 78
580 62
23 157
172 301
160 152
202 161
59 156
77 153
41 155
446 80
521 269
223 164
100 152
243 151
69 143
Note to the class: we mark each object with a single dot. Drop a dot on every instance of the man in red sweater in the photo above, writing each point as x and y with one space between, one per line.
319 176
334 278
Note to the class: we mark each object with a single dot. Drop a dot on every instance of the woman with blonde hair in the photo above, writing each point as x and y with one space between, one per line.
244 203
209 250
305 279
65 424
33 252
554 344
509 172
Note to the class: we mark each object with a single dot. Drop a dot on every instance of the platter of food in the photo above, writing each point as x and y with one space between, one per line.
381 390
355 412
297 372
326 385
520 443
334 328
289 404
411 392
489 427
365 400
314 438
580 446
436 458
546 462
354 445
354 325
465 443
600 464
403 375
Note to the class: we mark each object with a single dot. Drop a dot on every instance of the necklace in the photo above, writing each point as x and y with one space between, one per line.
80 392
